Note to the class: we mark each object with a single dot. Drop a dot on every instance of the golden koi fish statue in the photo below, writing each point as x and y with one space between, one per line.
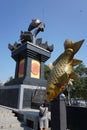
62 70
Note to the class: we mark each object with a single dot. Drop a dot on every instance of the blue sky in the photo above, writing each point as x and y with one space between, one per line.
64 19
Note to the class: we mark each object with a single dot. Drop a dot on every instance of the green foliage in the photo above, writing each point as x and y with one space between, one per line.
80 83
81 70
10 78
80 87
9 81
46 72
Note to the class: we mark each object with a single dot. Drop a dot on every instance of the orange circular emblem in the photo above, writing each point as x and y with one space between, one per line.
35 68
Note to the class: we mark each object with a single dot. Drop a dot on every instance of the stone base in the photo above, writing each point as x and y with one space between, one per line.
19 96
58 114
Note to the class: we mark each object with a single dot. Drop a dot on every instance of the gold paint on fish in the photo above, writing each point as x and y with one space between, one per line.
62 70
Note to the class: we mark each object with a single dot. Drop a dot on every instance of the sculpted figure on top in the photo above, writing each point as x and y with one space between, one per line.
30 36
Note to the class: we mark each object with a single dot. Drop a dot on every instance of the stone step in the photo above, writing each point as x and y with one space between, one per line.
4 109
3 114
3 117
14 129
17 127
12 119
9 120
9 126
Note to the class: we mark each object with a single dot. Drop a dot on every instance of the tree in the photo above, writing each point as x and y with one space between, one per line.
46 71
81 70
80 83
9 80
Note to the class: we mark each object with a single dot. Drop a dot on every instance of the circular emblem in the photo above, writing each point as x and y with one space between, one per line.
35 68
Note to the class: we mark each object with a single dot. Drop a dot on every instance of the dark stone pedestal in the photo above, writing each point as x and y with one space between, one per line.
29 75
17 96
58 114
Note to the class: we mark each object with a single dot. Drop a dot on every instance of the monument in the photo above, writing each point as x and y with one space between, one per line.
61 73
30 55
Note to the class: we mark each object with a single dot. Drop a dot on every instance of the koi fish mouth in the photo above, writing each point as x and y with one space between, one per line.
53 93
50 96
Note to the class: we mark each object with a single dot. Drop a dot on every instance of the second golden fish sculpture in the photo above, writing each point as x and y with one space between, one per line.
62 70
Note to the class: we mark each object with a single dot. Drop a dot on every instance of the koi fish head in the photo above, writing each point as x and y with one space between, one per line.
53 91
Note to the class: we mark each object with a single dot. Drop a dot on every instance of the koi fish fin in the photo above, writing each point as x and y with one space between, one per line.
73 75
76 62
76 46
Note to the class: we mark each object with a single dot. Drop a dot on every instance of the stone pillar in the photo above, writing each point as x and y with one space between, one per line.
58 114
30 59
